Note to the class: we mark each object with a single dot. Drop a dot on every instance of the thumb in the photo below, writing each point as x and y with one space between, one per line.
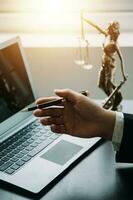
67 94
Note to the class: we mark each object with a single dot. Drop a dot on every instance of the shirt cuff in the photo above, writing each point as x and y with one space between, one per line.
118 131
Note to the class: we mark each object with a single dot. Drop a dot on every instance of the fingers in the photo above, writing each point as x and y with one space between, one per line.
52 120
45 99
56 124
52 112
52 117
58 128
65 93
68 94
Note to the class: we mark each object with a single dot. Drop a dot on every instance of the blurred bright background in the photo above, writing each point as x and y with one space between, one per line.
61 18
49 31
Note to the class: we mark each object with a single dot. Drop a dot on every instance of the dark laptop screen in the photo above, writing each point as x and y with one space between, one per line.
15 89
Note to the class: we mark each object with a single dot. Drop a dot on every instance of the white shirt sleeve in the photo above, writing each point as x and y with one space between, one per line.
118 131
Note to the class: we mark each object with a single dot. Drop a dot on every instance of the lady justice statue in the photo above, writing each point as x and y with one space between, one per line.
107 70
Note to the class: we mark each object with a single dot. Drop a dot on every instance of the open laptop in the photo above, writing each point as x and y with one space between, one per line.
31 156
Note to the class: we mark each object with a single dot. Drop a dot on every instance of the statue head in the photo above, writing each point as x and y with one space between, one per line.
113 30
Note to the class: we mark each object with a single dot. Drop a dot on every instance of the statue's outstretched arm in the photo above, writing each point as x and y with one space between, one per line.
95 26
122 63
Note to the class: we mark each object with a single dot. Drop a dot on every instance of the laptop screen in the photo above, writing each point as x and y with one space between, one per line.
15 88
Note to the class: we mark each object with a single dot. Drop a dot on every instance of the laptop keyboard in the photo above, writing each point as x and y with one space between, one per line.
20 148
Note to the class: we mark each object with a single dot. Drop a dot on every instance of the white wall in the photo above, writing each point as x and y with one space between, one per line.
54 68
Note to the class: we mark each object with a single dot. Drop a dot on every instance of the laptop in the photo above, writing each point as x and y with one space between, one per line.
31 155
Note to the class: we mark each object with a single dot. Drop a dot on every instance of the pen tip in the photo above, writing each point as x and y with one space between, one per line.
24 110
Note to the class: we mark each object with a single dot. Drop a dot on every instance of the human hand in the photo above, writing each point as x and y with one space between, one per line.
77 115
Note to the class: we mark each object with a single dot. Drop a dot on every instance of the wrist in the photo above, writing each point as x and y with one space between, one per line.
108 124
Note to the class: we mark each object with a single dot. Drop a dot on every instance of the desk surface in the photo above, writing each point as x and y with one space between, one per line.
96 177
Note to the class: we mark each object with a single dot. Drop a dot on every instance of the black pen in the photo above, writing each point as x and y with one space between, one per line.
49 103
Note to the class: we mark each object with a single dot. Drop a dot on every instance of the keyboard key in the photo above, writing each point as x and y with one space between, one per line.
38 129
1 162
5 159
17 143
38 141
15 151
39 134
15 167
9 148
20 163
6 151
3 153
26 158
20 147
21 141
10 155
14 159
48 133
35 144
19 155
29 148
25 144
5 165
43 138
34 137
30 140
27 136
24 151
10 171
13 146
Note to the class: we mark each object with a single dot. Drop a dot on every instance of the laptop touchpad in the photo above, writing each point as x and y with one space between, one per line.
62 152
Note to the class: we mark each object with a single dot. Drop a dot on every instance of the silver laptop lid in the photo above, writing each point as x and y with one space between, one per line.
16 90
